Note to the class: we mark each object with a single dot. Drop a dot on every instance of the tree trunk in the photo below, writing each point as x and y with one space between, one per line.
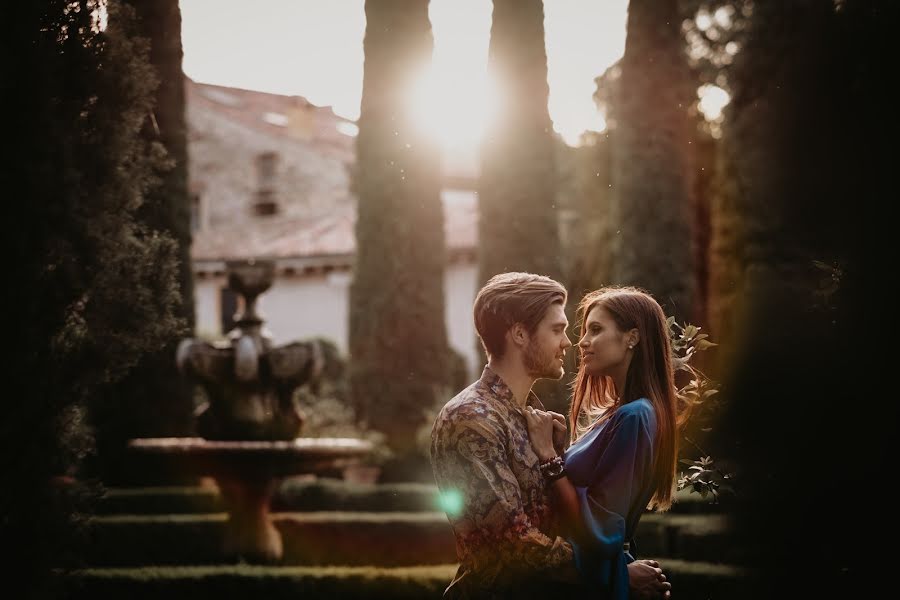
652 189
518 228
398 340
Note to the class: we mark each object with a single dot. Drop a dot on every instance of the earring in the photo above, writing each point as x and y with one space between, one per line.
631 346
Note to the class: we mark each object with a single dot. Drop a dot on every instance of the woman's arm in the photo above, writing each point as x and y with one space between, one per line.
565 502
541 427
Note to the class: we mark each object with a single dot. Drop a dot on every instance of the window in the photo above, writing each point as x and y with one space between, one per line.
266 203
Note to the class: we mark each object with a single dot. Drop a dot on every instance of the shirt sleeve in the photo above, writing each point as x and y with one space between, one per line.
623 466
493 523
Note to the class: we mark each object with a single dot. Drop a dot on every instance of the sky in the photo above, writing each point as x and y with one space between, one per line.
313 48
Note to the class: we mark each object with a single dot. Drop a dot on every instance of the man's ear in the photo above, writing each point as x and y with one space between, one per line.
518 335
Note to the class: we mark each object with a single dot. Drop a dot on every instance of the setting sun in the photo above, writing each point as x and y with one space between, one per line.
454 100
454 111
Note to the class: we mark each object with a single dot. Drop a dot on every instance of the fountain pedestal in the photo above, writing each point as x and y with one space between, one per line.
247 473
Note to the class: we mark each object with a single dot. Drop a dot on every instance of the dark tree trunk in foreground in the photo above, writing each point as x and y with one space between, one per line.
518 228
398 341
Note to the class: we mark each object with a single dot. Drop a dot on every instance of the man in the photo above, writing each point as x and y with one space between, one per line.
483 461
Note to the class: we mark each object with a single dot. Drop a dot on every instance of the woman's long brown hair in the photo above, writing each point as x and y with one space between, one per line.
650 376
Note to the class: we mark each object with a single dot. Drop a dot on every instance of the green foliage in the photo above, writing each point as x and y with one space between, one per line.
687 341
586 194
699 397
398 339
154 400
705 478
93 288
327 410
327 416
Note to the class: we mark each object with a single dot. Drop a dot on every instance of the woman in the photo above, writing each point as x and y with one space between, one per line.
624 419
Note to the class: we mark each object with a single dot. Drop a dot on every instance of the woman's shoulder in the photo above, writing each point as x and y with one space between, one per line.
640 409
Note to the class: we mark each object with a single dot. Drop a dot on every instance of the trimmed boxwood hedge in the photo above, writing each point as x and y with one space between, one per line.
293 495
335 494
245 581
160 500
690 580
329 538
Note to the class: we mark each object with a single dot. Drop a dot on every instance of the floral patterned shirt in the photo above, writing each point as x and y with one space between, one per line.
494 494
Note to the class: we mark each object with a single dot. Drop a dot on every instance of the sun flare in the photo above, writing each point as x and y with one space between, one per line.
453 110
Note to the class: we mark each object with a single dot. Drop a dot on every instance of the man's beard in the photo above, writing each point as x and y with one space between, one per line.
541 366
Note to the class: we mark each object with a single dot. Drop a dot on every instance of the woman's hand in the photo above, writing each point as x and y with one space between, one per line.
560 432
646 581
540 431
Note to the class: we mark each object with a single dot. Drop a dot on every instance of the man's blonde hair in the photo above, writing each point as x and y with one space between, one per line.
510 298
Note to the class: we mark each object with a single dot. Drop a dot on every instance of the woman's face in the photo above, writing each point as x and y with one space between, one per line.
604 347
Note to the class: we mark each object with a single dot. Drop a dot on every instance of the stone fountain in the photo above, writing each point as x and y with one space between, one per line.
249 426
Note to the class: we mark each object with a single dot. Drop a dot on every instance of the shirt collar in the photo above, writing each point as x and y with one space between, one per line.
502 392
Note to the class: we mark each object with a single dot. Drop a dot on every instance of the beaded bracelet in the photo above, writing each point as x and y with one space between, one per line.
553 469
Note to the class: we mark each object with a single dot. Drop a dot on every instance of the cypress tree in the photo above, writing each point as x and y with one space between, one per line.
90 287
805 166
398 341
155 400
652 190
593 231
517 226
518 223
588 226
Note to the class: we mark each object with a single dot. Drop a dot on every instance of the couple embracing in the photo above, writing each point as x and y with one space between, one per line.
549 511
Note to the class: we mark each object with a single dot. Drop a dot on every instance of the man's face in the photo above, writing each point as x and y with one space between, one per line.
547 345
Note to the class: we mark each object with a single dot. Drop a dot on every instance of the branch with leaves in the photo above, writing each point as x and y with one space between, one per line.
698 394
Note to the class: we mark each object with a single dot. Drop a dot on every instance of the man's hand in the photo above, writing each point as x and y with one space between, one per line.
646 581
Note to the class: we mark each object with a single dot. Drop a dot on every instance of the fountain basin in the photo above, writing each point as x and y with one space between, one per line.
279 458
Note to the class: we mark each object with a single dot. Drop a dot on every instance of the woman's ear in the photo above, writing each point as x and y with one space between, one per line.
634 337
